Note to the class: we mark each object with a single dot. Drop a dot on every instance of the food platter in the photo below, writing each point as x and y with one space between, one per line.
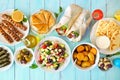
93 36
25 33
60 41
10 56
38 22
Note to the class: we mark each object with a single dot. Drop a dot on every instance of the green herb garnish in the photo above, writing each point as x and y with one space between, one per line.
76 33
25 19
60 9
118 53
57 14
33 66
64 27
15 9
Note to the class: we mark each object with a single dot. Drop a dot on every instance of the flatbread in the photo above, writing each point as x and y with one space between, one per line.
115 41
110 29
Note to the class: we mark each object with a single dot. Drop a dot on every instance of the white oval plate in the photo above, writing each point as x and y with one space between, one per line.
17 62
11 59
2 39
93 37
53 39
48 31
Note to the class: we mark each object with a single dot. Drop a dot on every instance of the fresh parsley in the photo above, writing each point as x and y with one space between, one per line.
25 19
33 66
118 53
60 10
15 9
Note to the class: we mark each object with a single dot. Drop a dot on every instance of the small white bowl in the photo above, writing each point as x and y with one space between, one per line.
92 66
11 59
18 62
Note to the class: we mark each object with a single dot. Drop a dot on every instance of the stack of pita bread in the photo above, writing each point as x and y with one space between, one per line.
111 29
43 21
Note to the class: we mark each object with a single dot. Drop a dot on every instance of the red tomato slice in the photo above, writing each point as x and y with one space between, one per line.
97 14
43 46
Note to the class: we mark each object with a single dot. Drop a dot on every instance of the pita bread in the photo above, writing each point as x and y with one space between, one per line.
115 41
43 21
110 29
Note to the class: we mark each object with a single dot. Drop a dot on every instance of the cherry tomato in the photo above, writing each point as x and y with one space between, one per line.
97 14
61 60
44 46
40 60
55 45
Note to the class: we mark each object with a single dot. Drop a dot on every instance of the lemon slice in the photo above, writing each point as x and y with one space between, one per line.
17 16
117 15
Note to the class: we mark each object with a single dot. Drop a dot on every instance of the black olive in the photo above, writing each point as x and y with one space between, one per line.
49 60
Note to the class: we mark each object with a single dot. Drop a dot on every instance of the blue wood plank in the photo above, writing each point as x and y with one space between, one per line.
65 3
101 4
112 6
6 5
52 5
36 5
84 75
20 72
85 4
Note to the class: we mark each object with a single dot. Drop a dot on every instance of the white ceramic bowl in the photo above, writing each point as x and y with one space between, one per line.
92 66
11 58
18 62
53 39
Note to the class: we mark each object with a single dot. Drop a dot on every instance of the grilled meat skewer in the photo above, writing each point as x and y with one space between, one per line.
11 27
16 24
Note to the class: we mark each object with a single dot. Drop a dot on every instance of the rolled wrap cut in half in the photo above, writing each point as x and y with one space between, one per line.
74 22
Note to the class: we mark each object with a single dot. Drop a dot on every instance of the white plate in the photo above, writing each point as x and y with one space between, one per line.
2 39
93 37
53 39
18 62
11 59
49 30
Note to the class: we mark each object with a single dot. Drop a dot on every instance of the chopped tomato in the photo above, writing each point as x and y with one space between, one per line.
40 59
61 60
55 45
97 14
44 46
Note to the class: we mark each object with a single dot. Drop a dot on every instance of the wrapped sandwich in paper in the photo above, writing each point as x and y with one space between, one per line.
74 22
70 15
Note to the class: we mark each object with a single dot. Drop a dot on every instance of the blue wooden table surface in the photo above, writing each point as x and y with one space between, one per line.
70 73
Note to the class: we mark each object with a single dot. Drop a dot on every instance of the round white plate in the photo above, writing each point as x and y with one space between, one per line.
37 32
2 39
93 37
11 59
17 62
53 39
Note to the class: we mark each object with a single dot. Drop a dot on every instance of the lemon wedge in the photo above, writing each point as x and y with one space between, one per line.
117 15
17 16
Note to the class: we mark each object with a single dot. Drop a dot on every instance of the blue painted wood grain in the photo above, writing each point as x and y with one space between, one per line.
95 4
36 5
20 72
7 4
112 6
17 72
